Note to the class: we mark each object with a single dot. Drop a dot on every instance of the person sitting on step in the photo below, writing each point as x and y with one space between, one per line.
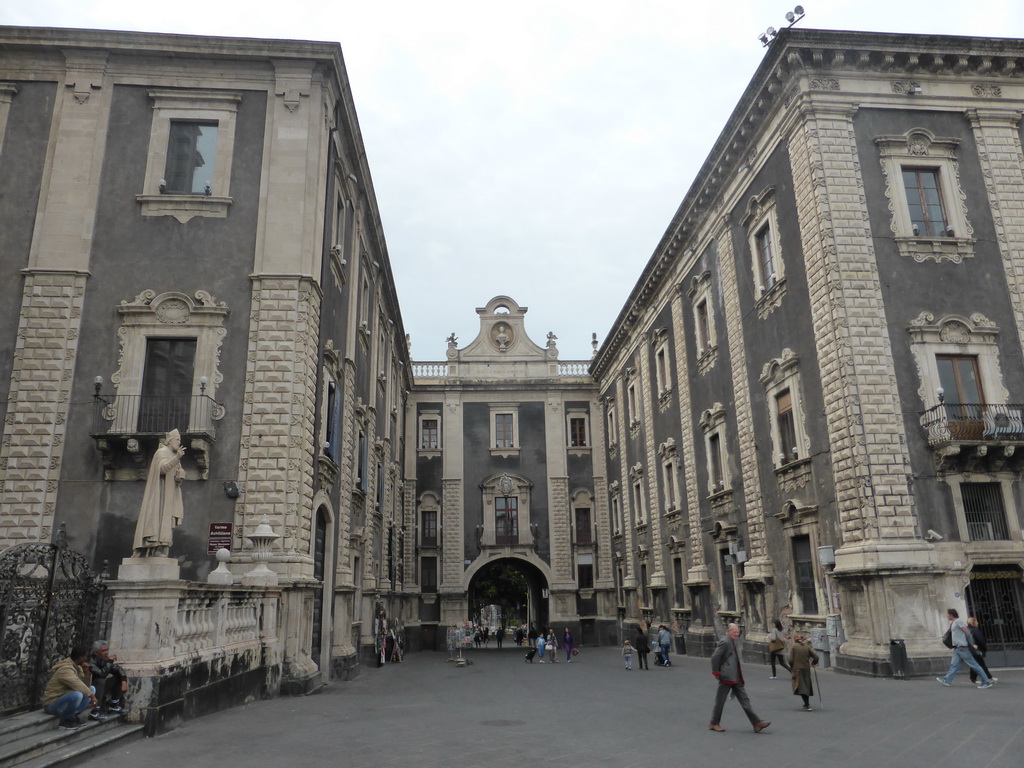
110 680
69 691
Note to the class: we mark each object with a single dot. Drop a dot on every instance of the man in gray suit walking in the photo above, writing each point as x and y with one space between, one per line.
725 665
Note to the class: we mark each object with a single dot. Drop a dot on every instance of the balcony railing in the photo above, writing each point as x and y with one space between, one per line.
973 423
147 415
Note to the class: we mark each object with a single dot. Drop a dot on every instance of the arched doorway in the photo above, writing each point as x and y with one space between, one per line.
509 592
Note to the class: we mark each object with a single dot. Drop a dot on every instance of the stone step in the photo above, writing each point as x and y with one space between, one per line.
91 742
34 736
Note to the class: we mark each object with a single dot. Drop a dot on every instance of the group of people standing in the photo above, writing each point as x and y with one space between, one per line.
642 646
547 645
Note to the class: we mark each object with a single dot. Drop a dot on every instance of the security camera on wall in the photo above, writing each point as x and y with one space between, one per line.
931 535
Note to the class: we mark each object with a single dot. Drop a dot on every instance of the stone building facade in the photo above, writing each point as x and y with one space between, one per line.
192 241
806 408
505 468
810 392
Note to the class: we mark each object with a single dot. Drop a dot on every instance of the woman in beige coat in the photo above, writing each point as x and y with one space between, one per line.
801 658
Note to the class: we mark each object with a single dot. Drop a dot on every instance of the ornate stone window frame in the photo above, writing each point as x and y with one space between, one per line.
799 518
506 484
170 315
504 409
668 451
922 149
578 413
615 499
429 502
662 364
777 376
611 425
633 399
220 107
699 294
713 422
421 449
1006 482
761 213
638 495
956 334
582 498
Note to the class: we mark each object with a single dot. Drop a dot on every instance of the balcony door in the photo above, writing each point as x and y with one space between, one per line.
962 395
506 521
167 385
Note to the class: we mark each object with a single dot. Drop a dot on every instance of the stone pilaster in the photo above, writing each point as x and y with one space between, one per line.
862 407
698 569
759 566
648 383
346 474
37 404
625 491
997 134
451 534
277 422
560 531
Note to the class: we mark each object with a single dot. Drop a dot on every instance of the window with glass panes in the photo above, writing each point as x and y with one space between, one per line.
506 520
584 530
191 155
803 570
429 531
924 202
428 574
703 327
503 437
167 385
766 256
677 581
428 439
960 379
728 583
715 456
585 571
577 431
787 427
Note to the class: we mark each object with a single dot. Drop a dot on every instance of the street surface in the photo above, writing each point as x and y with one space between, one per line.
500 711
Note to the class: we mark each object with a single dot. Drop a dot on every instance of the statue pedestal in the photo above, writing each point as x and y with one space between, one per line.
149 569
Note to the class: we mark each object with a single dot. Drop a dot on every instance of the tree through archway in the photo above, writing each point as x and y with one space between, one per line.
507 593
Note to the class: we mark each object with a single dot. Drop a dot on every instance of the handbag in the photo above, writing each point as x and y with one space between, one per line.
947 639
776 645
575 651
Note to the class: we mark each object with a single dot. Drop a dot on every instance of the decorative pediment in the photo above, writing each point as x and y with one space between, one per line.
699 283
757 205
668 448
712 417
779 368
953 329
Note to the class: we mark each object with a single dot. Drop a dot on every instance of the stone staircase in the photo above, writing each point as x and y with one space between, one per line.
32 740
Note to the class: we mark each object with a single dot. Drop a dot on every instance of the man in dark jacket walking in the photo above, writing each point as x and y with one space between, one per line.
725 665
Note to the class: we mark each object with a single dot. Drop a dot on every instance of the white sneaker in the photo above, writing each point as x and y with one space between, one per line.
941 680
773 677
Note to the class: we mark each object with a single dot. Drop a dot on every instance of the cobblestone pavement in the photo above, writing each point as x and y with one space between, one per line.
501 711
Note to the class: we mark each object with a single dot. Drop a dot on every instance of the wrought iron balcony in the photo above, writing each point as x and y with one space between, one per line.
134 424
972 433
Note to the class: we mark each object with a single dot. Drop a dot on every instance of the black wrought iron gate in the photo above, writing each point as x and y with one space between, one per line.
996 599
50 600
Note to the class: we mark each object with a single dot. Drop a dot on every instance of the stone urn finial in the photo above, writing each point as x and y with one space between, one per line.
262 539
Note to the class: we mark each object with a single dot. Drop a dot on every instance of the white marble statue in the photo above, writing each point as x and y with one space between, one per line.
162 509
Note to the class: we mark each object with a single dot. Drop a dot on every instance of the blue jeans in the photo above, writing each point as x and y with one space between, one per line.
962 655
69 705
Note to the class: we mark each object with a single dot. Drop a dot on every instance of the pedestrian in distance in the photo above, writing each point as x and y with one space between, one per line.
568 644
801 658
960 637
979 650
726 667
627 655
541 644
643 647
499 636
552 647
777 648
664 642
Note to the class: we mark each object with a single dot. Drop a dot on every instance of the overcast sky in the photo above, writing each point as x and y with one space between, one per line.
536 149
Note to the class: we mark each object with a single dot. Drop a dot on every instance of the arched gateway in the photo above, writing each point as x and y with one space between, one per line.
509 501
